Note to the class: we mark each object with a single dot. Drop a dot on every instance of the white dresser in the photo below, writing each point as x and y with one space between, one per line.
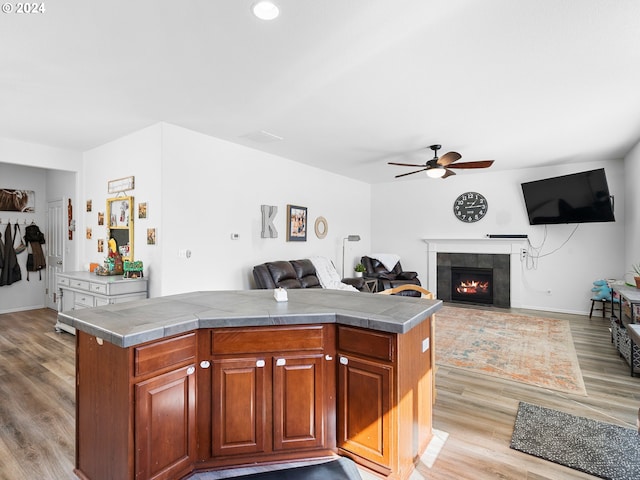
79 290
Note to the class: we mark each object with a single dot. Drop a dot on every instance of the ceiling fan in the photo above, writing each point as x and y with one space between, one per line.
440 167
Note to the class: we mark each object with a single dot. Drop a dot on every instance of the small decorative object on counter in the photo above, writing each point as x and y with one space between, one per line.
280 294
133 269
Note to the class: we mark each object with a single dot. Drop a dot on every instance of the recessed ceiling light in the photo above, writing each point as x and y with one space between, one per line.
265 10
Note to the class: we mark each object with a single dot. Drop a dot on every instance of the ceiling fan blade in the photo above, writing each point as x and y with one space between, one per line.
478 164
407 164
448 173
448 158
411 173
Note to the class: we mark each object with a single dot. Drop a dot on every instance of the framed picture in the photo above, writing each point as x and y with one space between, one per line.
100 218
17 200
142 210
89 205
296 223
151 236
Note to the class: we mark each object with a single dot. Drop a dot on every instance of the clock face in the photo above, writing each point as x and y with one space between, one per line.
470 207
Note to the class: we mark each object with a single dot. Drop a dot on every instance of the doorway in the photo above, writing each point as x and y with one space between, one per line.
55 250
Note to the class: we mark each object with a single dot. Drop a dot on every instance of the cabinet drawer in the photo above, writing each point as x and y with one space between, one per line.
267 339
83 300
80 284
379 345
63 282
99 288
164 354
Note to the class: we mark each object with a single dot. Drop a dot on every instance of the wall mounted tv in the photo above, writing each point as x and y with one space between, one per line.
576 198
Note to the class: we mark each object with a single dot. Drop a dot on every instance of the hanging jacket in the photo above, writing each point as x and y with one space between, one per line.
36 261
11 272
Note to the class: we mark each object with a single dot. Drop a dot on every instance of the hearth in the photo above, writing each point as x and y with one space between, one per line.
474 285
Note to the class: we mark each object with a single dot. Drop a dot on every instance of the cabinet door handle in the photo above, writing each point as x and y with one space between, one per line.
344 360
205 364
281 362
328 357
191 370
260 363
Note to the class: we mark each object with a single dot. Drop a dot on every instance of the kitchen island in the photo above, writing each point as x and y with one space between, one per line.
211 380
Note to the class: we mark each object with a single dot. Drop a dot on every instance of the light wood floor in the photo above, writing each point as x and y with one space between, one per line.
477 412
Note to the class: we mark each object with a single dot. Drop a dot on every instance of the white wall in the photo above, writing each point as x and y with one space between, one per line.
200 190
408 211
138 155
214 188
632 211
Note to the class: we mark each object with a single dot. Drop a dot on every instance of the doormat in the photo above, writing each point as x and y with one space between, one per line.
597 448
341 469
534 350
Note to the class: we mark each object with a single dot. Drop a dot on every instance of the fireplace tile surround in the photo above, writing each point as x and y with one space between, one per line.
506 250
498 263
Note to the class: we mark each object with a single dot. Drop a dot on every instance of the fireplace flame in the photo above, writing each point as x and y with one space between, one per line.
472 287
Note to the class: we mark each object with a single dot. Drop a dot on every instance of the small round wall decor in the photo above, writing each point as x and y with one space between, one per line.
470 207
321 227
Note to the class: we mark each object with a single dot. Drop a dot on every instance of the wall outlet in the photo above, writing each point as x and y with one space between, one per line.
235 236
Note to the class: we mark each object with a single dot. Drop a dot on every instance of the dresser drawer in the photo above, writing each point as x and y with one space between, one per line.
79 284
99 288
164 354
379 345
63 282
82 300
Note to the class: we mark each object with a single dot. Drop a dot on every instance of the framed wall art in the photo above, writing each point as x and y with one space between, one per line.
142 210
296 223
17 200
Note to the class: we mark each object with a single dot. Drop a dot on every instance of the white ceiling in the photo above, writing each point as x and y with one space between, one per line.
348 84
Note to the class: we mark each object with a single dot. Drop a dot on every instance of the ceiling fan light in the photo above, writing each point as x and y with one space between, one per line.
437 172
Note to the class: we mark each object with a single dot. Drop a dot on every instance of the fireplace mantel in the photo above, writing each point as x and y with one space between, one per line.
509 246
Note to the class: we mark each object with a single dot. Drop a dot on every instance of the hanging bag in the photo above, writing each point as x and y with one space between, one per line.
18 234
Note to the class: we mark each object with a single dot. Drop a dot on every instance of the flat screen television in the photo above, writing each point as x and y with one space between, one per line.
576 198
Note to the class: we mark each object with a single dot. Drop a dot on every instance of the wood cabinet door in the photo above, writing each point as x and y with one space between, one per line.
239 406
364 402
165 434
298 402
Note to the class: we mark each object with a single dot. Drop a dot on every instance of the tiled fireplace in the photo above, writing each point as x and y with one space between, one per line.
474 278
476 270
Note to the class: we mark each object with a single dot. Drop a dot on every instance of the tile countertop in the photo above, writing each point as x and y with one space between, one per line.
133 323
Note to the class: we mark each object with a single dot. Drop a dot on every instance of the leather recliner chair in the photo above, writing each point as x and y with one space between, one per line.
390 278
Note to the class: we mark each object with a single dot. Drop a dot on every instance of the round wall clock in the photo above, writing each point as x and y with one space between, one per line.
470 207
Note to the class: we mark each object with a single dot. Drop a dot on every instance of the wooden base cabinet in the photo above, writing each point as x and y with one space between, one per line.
271 392
165 419
384 397
137 404
226 397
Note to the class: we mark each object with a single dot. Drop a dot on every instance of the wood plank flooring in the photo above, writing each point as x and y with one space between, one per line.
37 406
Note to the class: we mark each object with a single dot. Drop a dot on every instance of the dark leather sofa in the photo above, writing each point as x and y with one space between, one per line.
390 278
292 274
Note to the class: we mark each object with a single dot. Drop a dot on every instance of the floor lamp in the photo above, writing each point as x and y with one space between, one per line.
350 238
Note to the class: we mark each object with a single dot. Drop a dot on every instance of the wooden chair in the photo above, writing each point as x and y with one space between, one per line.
424 293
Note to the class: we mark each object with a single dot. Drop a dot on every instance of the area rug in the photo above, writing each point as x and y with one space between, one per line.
533 350
597 448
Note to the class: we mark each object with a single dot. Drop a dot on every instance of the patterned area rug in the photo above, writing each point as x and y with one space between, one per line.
533 350
597 448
